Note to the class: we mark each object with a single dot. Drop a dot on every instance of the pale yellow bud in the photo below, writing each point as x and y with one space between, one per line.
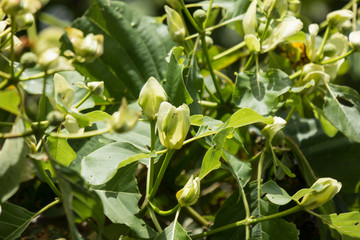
190 193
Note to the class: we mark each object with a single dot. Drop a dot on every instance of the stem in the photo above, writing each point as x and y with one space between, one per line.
42 104
197 216
295 74
208 12
247 212
89 93
4 75
261 161
16 135
332 60
162 212
154 219
46 177
230 50
226 78
326 35
288 117
40 75
161 173
57 201
12 46
249 62
250 221
208 104
6 31
80 135
188 15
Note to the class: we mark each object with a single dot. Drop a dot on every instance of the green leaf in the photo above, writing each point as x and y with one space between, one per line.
12 159
173 232
240 170
9 101
97 115
135 47
120 197
347 224
79 202
261 92
101 165
275 194
13 221
342 109
63 93
60 150
194 84
246 116
174 80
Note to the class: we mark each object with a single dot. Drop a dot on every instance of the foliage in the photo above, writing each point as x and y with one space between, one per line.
122 115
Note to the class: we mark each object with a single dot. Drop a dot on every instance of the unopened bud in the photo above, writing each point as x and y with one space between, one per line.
124 119
49 57
200 17
337 18
324 189
252 42
175 25
96 87
190 193
173 125
151 96
28 60
11 7
24 21
354 39
55 118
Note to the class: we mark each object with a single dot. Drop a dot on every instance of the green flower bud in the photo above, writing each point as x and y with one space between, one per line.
28 60
124 119
151 96
175 25
11 7
200 17
324 189
24 21
49 57
337 18
209 41
190 193
354 39
175 4
252 42
96 87
173 125
55 118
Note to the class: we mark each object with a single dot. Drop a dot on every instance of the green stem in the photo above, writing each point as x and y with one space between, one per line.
291 112
332 60
42 104
4 75
208 104
191 19
259 173
6 123
208 13
249 62
55 202
89 93
295 74
226 78
211 70
150 175
230 50
16 135
321 48
166 162
80 135
250 221
197 217
6 31
40 75
154 219
46 177
247 212
12 46
162 212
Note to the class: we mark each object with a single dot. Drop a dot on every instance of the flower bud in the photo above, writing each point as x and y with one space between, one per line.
252 42
24 21
49 57
175 4
209 41
175 25
124 119
11 7
28 60
173 125
151 96
337 18
354 39
55 118
200 17
190 193
96 87
329 50
324 189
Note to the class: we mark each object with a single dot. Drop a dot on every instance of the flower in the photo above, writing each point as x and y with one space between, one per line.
190 193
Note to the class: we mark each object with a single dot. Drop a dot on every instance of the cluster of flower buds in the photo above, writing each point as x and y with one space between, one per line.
324 189
86 48
190 193
22 11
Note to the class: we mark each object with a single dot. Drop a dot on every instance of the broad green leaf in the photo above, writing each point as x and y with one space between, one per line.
260 92
328 128
13 221
240 170
12 159
135 47
173 232
102 164
174 80
120 197
9 101
275 194
63 93
97 115
194 83
81 119
280 62
79 202
347 224
342 109
60 150
246 116
212 156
